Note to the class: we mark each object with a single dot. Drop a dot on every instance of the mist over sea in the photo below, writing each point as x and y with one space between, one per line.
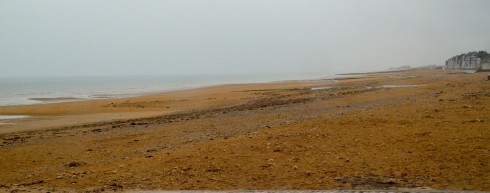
28 91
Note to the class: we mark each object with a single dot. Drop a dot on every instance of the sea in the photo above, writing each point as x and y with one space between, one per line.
38 90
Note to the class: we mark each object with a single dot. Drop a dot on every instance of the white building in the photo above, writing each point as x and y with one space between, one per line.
470 61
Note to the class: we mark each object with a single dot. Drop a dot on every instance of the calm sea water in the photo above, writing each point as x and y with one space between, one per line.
27 91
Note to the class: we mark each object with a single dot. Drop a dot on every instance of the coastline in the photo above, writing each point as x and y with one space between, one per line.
43 90
352 134
65 111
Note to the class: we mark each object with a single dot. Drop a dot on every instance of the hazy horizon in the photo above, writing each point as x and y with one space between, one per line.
128 37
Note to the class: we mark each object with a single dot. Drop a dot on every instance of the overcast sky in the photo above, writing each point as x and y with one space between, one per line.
123 37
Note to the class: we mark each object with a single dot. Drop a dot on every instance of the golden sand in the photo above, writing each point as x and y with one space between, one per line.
358 134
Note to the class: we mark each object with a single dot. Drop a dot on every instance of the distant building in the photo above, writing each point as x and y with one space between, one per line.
471 61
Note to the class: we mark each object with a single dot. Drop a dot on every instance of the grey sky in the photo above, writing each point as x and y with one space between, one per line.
120 37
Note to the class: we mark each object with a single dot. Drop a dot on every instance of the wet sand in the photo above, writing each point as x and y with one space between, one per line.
356 134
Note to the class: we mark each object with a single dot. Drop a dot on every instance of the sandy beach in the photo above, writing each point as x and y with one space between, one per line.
400 130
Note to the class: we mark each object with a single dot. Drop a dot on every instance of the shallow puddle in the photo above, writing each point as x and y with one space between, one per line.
321 88
4 119
400 86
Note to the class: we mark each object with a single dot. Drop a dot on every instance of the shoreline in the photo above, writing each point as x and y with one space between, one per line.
58 112
64 99
142 86
51 113
66 113
68 99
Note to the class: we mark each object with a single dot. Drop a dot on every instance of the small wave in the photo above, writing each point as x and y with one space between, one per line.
55 99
